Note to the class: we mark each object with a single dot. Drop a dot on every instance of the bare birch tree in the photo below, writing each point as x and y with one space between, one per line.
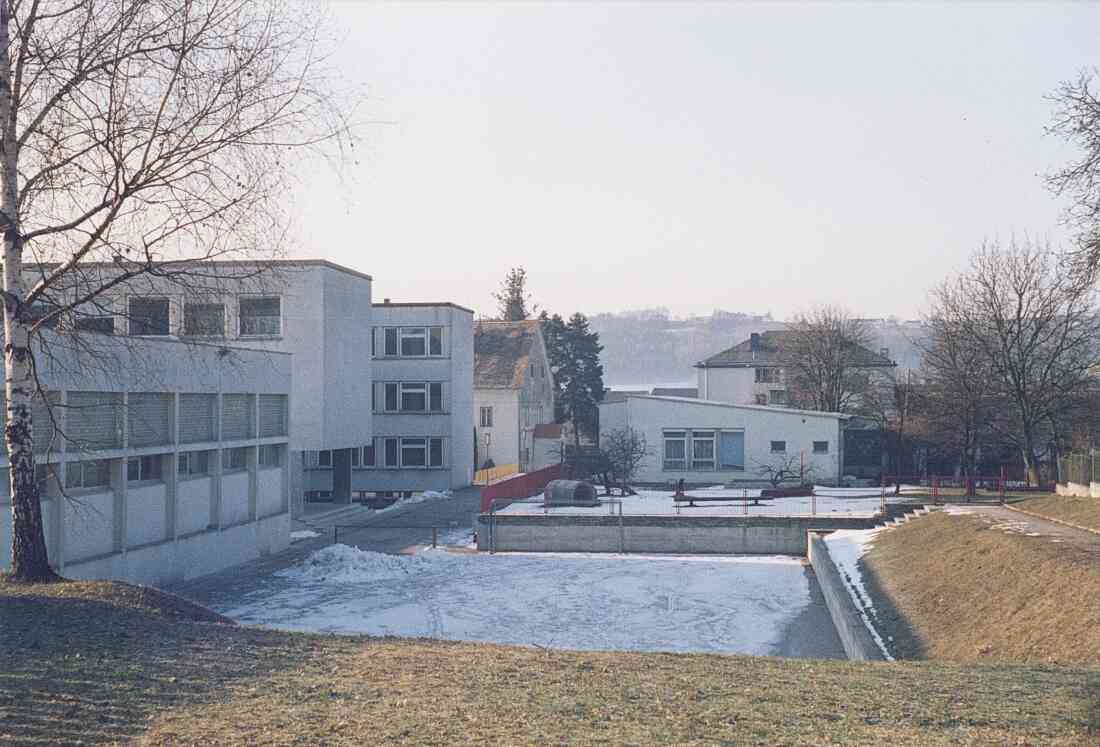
139 138
1035 324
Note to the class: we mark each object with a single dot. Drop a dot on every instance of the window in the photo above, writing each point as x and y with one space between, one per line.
193 463
779 447
37 312
149 316
435 397
391 397
435 341
324 458
233 460
391 452
435 452
355 457
104 325
270 455
731 450
261 316
391 341
702 450
139 469
767 375
94 473
414 397
368 456
777 397
414 341
414 452
204 319
761 399
486 417
821 447
675 449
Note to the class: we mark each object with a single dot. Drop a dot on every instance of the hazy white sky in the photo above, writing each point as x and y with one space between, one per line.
694 156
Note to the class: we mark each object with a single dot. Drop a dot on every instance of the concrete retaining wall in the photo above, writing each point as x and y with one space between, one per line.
189 557
1078 490
718 535
857 640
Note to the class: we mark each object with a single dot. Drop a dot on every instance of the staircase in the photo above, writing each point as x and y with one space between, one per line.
896 515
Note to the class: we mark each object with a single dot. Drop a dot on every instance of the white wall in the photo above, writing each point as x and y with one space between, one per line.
234 498
733 385
455 370
504 435
89 522
193 505
270 491
146 517
761 425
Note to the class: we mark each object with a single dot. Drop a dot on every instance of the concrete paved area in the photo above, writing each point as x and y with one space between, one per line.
1034 526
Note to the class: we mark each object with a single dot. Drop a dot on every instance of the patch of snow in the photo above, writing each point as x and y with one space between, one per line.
427 495
846 547
727 604
303 534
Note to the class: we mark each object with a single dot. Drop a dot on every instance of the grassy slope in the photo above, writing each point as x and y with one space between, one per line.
938 573
1083 512
80 662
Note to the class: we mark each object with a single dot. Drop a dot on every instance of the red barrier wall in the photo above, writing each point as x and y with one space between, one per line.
522 485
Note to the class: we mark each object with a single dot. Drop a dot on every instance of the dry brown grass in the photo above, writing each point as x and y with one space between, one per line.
960 590
1083 512
88 664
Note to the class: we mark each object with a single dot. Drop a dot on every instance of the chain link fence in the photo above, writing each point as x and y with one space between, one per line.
1077 468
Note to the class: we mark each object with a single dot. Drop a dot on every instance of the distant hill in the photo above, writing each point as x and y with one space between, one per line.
650 347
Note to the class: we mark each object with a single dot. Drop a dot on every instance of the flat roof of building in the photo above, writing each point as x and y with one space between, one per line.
242 261
421 304
713 403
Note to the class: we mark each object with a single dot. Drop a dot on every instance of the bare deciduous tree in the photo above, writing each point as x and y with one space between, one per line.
142 136
785 468
1077 120
959 397
624 449
1036 326
829 365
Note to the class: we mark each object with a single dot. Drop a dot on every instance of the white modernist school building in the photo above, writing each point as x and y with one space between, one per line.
707 442
168 462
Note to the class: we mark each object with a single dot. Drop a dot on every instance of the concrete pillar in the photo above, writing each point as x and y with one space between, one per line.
341 475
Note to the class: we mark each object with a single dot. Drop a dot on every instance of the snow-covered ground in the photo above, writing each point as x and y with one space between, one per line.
830 501
587 602
846 547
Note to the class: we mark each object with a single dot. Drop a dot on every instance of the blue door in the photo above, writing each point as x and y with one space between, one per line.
731 451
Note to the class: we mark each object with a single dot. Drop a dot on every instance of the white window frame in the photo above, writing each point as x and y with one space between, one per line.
227 466
412 333
219 304
84 467
409 443
442 400
241 317
386 463
486 422
144 467
680 436
442 452
781 450
777 397
130 316
767 375
823 450
185 466
703 437
412 388
276 449
324 458
96 318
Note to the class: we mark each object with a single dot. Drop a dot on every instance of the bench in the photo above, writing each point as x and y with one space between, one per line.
741 500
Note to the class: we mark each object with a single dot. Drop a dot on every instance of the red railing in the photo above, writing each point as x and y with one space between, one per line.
523 485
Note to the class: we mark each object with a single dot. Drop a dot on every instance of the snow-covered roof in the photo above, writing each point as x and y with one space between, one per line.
502 351
759 408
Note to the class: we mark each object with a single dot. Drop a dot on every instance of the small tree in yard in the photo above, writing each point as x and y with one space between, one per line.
145 136
785 468
573 351
624 449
